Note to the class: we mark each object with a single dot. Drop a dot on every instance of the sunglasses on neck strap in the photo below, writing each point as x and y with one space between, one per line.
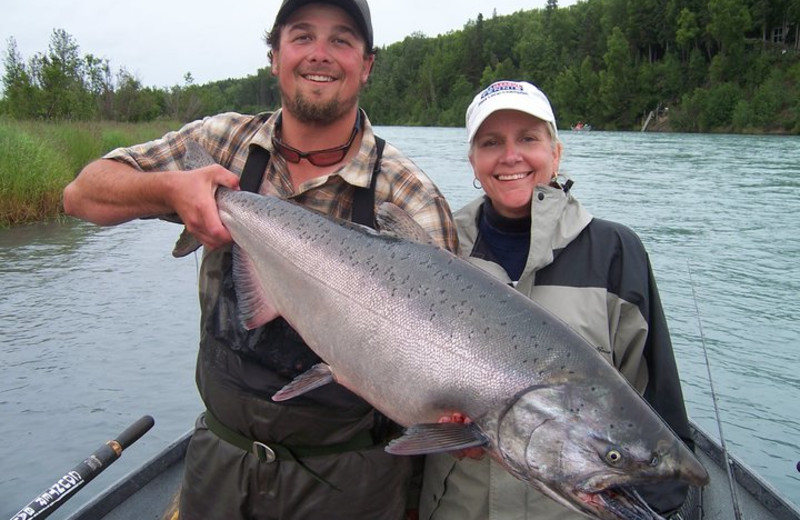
326 157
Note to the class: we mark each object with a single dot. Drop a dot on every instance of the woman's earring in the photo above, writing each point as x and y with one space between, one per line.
476 183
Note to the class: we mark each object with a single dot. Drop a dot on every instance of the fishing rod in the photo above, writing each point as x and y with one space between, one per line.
728 461
64 488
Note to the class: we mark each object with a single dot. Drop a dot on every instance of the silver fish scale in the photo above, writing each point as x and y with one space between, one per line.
407 305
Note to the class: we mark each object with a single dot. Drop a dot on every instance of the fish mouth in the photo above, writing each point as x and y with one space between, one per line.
617 503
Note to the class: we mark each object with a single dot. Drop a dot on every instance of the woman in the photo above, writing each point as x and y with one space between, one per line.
529 231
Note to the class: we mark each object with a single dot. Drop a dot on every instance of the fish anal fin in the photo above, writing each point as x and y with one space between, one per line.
437 437
315 377
255 307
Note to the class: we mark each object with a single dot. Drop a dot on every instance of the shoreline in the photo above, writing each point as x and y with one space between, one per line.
39 159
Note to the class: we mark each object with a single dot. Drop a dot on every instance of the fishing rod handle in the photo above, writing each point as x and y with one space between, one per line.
64 488
135 431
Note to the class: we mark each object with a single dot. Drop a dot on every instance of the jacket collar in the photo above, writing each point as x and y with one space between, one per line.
557 218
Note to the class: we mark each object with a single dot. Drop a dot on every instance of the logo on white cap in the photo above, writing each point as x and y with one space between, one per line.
501 86
509 95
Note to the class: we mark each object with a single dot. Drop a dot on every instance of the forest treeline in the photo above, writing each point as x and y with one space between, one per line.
701 65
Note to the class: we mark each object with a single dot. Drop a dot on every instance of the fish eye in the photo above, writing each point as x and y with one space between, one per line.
613 456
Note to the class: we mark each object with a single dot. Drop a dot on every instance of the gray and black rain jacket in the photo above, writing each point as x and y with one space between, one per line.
596 276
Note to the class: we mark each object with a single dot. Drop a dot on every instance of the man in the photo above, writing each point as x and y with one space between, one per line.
320 455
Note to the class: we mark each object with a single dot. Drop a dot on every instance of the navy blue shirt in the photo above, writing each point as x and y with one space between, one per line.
505 241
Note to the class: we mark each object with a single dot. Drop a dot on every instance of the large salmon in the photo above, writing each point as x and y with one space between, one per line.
421 334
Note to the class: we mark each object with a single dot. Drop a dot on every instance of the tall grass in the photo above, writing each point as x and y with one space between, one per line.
37 160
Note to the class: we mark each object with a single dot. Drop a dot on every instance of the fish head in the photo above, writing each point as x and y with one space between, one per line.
586 445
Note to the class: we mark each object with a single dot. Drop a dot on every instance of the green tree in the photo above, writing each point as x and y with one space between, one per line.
19 93
132 102
728 23
183 102
718 106
504 70
474 49
687 32
98 80
616 82
59 75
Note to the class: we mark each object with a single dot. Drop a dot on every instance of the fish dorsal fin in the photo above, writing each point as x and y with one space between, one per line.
437 437
195 156
254 306
392 220
315 377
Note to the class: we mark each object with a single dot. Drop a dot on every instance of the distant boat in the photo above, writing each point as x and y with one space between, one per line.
581 127
149 491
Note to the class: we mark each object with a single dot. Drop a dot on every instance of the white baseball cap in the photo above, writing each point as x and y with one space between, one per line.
509 95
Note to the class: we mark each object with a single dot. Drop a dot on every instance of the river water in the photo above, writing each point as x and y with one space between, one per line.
99 326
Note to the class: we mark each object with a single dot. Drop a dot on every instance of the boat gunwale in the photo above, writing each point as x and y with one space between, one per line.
761 490
127 486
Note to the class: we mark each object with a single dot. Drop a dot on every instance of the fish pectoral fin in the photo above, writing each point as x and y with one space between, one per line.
255 308
393 220
437 437
315 377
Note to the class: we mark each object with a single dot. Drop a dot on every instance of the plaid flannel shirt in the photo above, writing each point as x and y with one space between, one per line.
227 138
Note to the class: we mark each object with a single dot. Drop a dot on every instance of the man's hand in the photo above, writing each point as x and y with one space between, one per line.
191 195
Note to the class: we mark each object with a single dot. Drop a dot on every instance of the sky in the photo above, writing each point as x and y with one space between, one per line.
159 41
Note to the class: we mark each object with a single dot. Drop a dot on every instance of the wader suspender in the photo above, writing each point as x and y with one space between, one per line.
363 211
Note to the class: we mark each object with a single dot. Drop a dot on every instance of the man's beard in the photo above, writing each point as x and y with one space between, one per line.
321 113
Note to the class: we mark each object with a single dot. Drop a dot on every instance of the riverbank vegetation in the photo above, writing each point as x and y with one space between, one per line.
38 159
702 65
699 65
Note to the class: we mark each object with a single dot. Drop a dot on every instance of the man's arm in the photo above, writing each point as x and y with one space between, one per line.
109 192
